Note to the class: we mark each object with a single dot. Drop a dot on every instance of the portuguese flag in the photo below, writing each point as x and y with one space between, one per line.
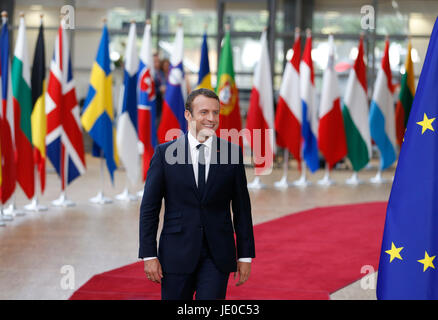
355 114
406 97
227 91
22 100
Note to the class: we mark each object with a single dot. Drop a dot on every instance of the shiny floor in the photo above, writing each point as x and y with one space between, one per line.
48 255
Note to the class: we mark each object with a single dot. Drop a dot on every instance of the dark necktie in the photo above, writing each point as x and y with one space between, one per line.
201 167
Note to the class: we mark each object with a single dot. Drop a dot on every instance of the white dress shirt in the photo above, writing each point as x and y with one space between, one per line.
194 153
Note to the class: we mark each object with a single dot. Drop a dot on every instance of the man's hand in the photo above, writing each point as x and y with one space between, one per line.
153 271
243 269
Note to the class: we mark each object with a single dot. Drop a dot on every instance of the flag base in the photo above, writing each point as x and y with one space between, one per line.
63 201
126 196
302 181
353 180
326 181
35 206
100 199
256 184
378 179
2 222
12 211
282 183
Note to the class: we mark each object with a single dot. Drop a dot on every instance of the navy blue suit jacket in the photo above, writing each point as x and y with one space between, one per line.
189 214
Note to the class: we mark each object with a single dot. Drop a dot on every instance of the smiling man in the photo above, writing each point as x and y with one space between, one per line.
197 248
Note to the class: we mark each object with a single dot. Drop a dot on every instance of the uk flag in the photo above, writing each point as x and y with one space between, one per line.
65 147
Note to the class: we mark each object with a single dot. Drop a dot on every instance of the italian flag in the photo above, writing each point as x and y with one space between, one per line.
22 100
355 114
406 97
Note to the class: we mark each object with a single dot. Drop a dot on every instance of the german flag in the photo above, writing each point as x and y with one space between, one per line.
38 117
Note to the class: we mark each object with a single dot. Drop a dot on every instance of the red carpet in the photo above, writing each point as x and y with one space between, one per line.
307 255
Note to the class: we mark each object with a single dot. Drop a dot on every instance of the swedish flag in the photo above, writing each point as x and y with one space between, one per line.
408 264
204 77
98 115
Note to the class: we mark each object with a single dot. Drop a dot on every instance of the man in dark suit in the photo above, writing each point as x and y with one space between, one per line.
199 176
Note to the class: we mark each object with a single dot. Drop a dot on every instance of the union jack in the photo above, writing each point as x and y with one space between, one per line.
65 147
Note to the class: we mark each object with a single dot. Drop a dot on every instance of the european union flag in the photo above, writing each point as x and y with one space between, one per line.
98 115
407 268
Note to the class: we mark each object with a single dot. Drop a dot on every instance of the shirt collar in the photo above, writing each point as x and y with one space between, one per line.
193 142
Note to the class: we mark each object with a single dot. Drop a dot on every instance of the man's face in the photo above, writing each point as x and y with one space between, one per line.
204 119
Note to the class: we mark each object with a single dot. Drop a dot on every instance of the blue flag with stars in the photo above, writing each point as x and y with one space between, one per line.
408 264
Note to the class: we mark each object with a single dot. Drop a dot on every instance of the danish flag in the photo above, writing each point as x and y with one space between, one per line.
65 147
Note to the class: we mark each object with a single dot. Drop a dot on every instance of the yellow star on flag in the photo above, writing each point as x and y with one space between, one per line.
427 261
426 124
394 252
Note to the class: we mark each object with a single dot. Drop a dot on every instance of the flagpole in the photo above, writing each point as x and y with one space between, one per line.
63 200
353 180
126 195
100 198
378 179
34 205
326 181
13 211
282 183
302 182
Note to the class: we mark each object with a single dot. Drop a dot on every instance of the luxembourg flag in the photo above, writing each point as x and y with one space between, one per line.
382 114
172 116
261 113
331 134
289 108
147 132
127 123
310 113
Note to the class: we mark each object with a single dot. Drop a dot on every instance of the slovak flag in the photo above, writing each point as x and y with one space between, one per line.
382 113
127 139
310 111
172 116
289 107
261 113
147 131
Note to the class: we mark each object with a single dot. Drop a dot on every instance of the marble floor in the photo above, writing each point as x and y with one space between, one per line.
40 249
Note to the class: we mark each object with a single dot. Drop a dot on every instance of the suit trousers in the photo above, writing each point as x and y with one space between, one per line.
206 281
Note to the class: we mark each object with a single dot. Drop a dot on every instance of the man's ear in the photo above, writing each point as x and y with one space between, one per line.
187 115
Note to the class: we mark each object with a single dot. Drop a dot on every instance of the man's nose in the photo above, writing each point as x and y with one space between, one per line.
210 116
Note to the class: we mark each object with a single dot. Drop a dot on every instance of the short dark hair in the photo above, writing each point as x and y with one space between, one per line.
199 92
